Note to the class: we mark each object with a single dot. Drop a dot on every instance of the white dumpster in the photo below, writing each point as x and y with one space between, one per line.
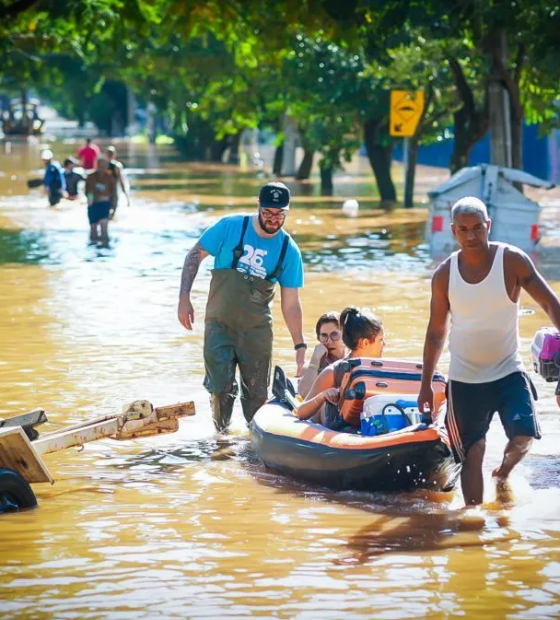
515 218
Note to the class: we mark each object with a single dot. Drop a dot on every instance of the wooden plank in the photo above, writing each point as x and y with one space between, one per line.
139 420
76 436
26 420
160 427
17 453
180 410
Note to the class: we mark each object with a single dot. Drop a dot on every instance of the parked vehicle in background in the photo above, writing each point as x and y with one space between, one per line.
22 118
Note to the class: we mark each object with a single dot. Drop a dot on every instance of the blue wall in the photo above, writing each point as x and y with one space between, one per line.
535 152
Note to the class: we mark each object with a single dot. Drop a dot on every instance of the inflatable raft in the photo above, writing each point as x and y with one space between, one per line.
415 457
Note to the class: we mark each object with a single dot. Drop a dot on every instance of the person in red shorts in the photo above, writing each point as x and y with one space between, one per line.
89 155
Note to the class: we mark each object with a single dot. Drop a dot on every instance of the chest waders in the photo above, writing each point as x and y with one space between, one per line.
238 333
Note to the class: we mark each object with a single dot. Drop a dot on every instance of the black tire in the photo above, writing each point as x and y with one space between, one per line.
15 492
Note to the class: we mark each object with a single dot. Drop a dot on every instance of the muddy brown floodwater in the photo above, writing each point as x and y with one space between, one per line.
190 525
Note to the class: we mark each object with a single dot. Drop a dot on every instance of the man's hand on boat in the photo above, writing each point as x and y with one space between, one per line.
426 400
185 312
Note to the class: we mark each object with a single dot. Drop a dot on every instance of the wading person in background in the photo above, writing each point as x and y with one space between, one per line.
54 179
116 169
479 287
99 188
329 349
89 155
72 178
252 253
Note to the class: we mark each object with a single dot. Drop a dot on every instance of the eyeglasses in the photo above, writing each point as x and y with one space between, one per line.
334 336
274 215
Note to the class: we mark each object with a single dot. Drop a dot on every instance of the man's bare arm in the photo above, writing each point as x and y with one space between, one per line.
293 315
435 334
532 281
190 268
121 181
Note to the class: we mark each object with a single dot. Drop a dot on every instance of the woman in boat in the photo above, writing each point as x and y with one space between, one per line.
330 349
363 334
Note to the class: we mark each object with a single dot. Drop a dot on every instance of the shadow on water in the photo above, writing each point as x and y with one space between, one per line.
543 471
421 532
22 247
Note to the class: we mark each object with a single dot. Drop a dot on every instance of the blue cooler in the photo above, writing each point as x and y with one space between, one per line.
385 413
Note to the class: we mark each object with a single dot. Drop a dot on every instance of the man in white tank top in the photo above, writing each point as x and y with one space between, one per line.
479 288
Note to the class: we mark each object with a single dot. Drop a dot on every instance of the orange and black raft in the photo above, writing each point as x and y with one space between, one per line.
414 457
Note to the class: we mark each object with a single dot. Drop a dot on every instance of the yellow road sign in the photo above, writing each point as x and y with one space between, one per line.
406 110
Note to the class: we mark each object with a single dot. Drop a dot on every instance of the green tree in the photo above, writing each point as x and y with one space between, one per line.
506 51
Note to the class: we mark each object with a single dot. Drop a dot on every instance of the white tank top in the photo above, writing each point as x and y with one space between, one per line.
484 333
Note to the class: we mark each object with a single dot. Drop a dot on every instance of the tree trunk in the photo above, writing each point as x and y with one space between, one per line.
510 78
470 123
469 128
304 171
326 181
462 143
517 117
217 149
500 100
278 157
379 156
25 124
235 141
411 171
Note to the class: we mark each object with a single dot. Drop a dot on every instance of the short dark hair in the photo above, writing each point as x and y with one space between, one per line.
469 205
328 317
357 325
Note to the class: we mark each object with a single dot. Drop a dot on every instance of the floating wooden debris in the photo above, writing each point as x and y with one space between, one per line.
139 419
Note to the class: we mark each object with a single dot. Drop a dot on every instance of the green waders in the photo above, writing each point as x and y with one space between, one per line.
238 333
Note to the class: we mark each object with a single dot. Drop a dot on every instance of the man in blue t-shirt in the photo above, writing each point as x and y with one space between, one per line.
252 253
54 178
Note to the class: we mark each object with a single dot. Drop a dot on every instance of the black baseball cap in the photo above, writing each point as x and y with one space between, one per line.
274 195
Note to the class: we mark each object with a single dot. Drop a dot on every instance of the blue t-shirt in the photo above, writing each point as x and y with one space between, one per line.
260 255
54 179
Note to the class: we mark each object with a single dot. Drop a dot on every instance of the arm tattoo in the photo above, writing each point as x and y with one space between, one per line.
190 268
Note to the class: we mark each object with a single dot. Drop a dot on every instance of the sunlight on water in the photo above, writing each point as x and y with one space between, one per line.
191 525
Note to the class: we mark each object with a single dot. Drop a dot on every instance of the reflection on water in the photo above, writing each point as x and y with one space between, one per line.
191 525
20 246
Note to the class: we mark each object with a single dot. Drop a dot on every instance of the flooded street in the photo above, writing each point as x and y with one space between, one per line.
191 525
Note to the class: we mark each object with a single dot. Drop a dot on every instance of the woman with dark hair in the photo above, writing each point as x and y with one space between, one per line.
329 349
363 334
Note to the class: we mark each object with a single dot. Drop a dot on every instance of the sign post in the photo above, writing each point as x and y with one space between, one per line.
406 110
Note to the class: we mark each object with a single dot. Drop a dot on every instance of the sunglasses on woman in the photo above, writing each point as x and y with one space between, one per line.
334 336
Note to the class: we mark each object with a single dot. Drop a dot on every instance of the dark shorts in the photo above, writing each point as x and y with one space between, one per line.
471 407
98 211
